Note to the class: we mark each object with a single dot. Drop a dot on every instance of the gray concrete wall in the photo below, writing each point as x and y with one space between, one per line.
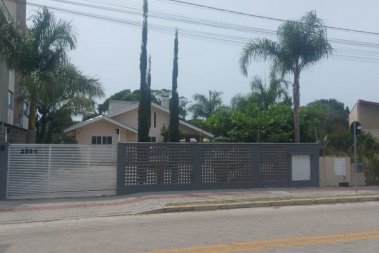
179 166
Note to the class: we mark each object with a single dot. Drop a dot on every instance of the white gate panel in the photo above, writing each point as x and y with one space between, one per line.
301 167
53 171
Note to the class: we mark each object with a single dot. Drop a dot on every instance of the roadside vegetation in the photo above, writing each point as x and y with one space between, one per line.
56 90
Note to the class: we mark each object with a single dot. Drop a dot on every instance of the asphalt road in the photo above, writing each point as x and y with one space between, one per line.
321 228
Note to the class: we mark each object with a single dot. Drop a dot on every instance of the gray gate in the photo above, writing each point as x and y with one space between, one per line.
3 170
50 171
169 166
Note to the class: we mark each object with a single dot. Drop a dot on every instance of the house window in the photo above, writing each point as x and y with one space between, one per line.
95 140
101 140
107 140
20 120
10 99
26 109
155 119
153 139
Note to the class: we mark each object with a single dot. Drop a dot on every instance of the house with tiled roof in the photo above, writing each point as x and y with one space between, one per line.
120 124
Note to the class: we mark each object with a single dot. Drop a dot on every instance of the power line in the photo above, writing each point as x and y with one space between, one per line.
175 18
220 38
204 22
263 17
225 39
160 28
357 58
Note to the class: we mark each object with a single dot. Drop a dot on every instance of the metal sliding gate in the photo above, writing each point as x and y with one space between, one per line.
52 171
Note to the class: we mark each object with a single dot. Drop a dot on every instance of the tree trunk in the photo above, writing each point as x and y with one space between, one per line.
296 106
41 125
32 115
31 134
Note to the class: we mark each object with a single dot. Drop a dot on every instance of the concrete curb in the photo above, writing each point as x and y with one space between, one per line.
66 218
273 203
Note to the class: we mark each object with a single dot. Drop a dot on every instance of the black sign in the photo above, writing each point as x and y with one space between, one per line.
28 151
357 126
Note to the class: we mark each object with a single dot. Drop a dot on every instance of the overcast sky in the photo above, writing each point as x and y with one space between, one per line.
208 56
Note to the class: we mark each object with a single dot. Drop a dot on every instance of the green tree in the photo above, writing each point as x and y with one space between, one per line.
323 117
204 106
266 95
253 124
50 127
300 45
174 104
274 124
183 101
262 94
36 53
144 108
219 123
368 152
72 94
124 95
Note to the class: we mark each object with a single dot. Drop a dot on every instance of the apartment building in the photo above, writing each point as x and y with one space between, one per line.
13 110
366 113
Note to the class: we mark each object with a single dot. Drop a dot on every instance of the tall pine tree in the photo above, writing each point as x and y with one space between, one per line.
148 94
174 105
144 109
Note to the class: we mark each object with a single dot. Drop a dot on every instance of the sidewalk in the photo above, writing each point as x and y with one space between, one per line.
145 203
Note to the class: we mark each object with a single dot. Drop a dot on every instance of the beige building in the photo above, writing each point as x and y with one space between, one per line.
366 113
337 171
120 124
13 111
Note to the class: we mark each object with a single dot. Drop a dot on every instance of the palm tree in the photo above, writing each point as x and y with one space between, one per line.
265 95
300 45
36 53
72 93
205 107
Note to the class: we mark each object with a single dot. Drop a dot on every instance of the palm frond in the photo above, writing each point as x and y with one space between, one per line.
304 42
10 40
258 48
206 106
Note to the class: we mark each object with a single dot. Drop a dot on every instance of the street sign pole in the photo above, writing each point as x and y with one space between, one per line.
355 157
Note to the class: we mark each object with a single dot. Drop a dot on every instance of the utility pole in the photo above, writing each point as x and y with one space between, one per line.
355 128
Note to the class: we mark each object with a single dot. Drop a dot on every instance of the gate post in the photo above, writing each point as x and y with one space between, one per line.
255 165
121 160
197 170
4 149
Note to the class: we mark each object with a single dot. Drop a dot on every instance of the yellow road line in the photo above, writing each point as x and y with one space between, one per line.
272 244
